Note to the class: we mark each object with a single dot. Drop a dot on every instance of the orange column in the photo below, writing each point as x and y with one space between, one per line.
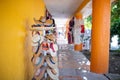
100 36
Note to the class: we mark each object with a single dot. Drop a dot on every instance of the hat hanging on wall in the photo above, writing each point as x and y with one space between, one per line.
39 73
52 75
38 60
36 38
51 37
42 22
51 62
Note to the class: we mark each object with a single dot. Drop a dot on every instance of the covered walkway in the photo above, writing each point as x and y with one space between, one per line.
73 65
16 50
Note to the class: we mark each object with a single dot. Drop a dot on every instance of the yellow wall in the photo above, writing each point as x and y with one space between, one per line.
15 57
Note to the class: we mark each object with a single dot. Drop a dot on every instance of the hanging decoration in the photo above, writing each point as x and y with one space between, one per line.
70 33
82 30
44 49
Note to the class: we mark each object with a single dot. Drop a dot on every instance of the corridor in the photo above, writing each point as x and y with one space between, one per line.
73 65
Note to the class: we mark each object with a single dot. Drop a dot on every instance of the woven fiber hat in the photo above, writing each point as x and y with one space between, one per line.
35 49
41 39
52 76
50 37
52 62
45 45
55 47
43 22
38 60
39 73
36 38
54 70
42 19
53 54
38 22
49 23
35 44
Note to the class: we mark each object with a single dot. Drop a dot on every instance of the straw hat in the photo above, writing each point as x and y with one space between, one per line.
38 60
38 22
53 54
49 23
41 39
42 19
52 62
39 73
35 49
50 37
34 44
55 47
36 38
54 70
43 22
52 76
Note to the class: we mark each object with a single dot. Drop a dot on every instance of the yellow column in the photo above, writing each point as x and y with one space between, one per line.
78 47
100 36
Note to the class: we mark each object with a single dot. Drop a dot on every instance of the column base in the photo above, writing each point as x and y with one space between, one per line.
78 47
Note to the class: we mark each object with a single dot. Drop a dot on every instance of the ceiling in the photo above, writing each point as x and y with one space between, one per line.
87 10
62 8
67 8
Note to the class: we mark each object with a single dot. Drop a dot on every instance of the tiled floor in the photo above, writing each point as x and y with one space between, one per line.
73 65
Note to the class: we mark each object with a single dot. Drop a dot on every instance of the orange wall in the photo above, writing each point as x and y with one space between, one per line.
15 15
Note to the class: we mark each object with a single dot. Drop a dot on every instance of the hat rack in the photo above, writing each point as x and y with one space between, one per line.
41 28
44 48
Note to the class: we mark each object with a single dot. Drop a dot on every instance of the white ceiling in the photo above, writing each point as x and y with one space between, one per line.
87 10
62 8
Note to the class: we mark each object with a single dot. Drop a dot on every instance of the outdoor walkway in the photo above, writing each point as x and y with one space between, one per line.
73 65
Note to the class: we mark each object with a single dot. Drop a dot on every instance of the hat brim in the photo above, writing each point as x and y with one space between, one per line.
52 76
38 64
53 54
36 38
51 63
34 49
40 75
48 22
50 37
